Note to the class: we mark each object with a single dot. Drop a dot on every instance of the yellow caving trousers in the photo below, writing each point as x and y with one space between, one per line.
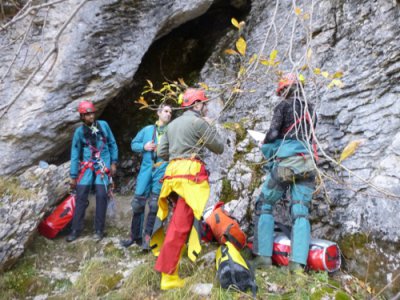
189 179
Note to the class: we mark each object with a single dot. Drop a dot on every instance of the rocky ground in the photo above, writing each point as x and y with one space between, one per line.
85 269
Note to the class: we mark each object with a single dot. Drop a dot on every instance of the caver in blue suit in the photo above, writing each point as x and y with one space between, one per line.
93 151
148 185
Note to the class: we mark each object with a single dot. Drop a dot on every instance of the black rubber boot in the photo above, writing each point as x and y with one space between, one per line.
72 236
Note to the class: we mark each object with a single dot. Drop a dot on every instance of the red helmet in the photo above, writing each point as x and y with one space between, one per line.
286 81
86 107
192 95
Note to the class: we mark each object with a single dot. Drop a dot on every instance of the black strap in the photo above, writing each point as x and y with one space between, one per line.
286 254
153 153
217 218
231 238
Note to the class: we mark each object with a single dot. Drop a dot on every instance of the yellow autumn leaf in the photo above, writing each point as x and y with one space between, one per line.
265 62
230 52
338 74
306 16
241 46
180 99
253 58
204 86
235 23
242 70
143 102
149 83
325 74
309 53
237 91
350 149
317 71
273 55
302 78
297 10
182 82
335 82
241 24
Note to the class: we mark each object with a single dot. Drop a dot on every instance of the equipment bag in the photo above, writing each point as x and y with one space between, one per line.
323 255
59 218
233 270
225 228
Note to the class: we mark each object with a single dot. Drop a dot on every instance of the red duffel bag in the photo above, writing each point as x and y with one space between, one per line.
59 218
323 255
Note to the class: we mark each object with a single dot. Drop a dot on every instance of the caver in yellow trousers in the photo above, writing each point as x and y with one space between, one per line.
189 179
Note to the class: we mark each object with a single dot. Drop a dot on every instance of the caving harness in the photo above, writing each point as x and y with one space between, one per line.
95 162
308 119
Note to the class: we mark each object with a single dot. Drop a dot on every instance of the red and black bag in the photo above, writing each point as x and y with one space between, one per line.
323 255
225 228
59 218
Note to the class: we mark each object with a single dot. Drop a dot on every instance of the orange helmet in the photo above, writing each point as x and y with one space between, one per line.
86 107
286 81
192 95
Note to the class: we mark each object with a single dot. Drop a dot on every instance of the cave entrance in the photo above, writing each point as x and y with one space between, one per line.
180 54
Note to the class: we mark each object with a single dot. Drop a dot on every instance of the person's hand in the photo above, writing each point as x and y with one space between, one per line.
150 146
113 170
72 184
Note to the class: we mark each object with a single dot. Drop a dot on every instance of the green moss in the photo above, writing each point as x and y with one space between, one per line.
238 128
351 243
22 280
12 187
227 193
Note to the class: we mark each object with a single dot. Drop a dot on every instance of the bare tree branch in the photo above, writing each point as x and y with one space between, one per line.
53 50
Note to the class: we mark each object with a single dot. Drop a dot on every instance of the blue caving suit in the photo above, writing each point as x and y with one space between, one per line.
288 148
148 185
92 152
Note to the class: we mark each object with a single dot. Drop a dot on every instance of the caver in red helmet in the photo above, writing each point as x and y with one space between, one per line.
86 107
287 81
192 95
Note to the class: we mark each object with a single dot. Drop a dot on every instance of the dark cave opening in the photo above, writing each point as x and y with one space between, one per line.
180 54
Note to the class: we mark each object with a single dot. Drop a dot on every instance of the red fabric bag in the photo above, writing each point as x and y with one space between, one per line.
323 255
59 218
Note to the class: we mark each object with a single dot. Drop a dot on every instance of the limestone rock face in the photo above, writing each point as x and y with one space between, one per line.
23 206
360 41
99 53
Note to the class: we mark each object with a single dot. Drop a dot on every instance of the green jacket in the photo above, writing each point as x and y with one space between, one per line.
186 136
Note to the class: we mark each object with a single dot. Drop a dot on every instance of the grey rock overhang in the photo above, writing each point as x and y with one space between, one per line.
99 53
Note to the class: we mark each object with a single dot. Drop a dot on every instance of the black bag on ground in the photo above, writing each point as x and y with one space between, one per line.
233 270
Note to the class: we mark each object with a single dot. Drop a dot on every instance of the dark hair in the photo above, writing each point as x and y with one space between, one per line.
161 107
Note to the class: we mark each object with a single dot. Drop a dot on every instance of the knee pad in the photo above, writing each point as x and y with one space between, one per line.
138 204
300 209
263 208
153 203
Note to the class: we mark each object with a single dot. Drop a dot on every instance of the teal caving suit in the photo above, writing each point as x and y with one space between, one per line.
148 185
92 152
288 148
